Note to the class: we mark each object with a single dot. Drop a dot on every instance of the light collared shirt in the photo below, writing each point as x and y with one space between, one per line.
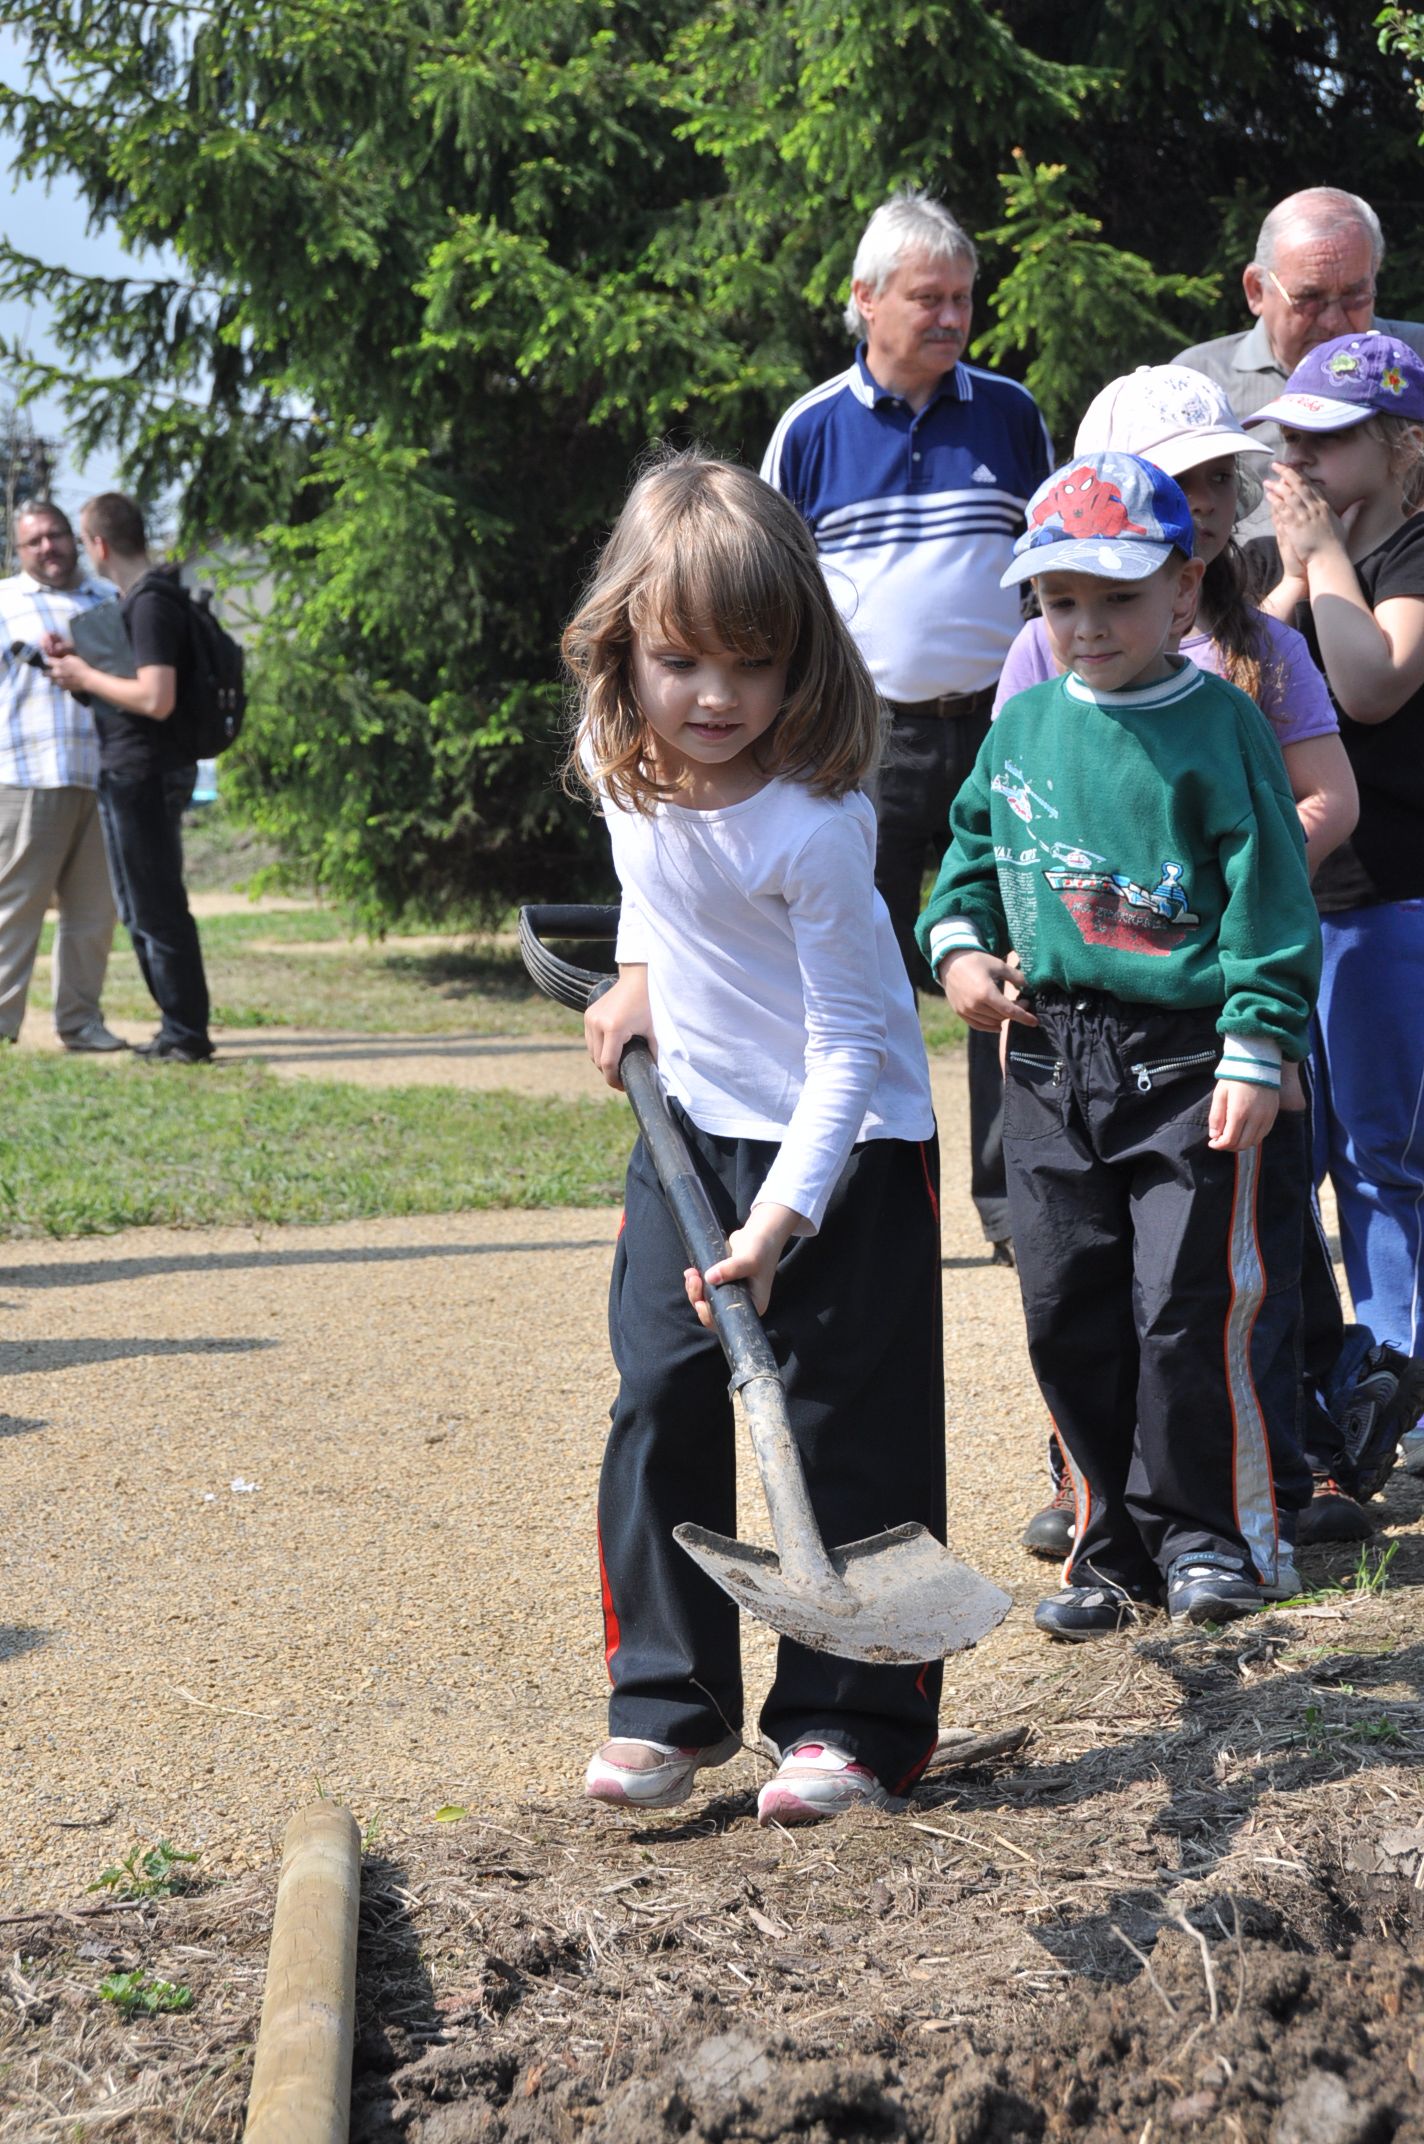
1248 372
47 740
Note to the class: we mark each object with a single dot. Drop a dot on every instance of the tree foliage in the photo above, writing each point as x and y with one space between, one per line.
447 267
27 465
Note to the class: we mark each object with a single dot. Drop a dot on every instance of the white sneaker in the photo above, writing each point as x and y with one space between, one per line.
650 1775
93 1035
816 1780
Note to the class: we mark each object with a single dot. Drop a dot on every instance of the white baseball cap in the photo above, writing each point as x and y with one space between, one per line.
1167 414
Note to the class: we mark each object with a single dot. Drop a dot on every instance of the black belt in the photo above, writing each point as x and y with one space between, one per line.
948 706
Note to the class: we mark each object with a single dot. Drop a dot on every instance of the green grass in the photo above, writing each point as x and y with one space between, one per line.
943 1029
86 1149
300 968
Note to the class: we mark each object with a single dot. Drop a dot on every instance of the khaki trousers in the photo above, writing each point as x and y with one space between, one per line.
51 847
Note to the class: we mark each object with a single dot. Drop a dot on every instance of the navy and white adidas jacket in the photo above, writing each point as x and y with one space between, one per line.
915 514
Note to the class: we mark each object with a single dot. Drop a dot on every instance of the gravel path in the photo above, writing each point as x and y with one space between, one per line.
314 1507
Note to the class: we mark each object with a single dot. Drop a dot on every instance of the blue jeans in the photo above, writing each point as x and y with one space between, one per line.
1369 1113
142 818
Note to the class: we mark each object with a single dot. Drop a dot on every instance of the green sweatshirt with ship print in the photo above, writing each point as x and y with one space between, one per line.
1142 843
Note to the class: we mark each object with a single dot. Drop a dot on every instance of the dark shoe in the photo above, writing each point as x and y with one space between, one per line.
161 1050
1331 1515
1001 1253
1049 1533
93 1035
1206 1588
1096 1611
1382 1404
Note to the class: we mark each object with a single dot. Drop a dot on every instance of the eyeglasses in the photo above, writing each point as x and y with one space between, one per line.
1312 303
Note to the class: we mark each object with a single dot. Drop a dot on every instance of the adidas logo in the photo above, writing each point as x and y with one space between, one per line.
983 475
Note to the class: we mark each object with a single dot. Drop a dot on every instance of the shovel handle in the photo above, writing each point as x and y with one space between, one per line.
799 1546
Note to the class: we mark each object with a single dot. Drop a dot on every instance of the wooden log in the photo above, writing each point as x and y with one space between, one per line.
301 2078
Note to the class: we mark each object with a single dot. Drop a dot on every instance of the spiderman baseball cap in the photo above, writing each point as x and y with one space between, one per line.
1112 515
1348 381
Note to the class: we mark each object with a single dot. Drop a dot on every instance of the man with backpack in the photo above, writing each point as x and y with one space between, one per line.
148 753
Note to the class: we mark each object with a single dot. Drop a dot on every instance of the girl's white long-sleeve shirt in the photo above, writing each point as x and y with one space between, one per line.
779 999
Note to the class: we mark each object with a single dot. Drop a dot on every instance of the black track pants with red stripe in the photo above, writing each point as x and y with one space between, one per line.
855 1324
1144 1261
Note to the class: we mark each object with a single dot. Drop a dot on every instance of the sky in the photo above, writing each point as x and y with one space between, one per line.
53 226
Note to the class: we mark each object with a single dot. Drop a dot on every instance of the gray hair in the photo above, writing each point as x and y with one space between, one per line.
1320 210
909 222
29 508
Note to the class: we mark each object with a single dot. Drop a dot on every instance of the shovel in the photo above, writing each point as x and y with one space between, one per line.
896 1596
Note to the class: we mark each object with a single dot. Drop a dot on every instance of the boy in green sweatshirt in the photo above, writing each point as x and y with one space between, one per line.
1129 832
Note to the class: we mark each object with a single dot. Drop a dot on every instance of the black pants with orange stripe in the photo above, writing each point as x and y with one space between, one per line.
1159 1280
854 1321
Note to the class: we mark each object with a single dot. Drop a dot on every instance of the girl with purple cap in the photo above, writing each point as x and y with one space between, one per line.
1343 500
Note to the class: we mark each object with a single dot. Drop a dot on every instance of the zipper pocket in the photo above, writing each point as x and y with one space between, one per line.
1169 1064
1039 1064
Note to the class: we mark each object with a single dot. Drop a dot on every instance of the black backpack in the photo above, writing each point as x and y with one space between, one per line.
212 698
211 694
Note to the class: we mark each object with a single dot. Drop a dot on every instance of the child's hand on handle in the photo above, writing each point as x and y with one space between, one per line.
1241 1115
974 982
753 1250
613 1020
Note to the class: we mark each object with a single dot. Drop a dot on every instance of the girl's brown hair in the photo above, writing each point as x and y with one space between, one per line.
701 548
1403 441
1235 621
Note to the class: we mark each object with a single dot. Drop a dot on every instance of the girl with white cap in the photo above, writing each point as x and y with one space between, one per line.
1181 421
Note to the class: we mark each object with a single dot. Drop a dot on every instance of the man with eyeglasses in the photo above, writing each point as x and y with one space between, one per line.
1313 277
51 847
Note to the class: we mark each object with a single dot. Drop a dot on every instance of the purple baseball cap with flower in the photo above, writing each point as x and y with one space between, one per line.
1347 382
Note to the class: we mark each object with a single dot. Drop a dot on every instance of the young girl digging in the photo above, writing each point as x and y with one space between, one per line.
725 723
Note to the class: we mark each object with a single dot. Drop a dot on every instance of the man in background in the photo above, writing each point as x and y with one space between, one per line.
1313 276
912 469
51 848
147 771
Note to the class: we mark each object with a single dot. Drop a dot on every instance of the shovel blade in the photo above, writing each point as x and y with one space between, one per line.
903 1598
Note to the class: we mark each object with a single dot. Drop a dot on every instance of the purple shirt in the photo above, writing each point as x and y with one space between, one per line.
1294 698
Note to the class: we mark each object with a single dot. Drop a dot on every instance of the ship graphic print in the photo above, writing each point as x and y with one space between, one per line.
1113 910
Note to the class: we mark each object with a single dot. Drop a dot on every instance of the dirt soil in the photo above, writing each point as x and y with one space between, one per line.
309 1511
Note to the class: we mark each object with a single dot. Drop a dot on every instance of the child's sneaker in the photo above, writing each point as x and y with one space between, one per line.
1206 1588
650 1775
815 1780
1381 1405
1411 1450
1095 1611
